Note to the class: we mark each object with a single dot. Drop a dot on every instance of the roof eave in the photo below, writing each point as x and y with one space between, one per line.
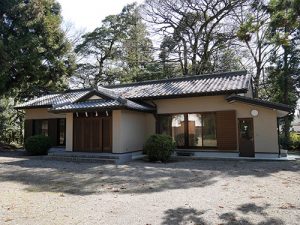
238 91
100 109
33 107
270 105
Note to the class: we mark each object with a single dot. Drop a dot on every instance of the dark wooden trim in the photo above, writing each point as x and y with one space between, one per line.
58 131
28 128
226 125
186 130
252 123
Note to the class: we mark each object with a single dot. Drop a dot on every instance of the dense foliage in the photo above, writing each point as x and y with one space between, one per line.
158 39
37 145
35 58
159 147
34 53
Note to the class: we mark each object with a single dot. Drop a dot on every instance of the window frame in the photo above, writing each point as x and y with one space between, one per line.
186 129
59 130
39 123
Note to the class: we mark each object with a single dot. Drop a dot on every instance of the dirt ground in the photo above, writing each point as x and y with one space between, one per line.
38 191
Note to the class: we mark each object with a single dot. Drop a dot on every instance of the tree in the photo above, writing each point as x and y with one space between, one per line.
34 53
199 29
284 72
99 47
35 58
253 20
117 51
137 46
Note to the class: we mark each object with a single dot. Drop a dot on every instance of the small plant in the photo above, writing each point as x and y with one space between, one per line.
37 145
159 147
294 140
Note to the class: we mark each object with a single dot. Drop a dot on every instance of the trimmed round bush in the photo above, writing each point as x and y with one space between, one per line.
159 147
37 145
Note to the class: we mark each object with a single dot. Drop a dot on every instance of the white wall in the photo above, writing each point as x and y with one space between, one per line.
41 114
69 131
131 129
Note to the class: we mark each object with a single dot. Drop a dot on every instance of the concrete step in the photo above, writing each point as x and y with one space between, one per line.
82 159
84 155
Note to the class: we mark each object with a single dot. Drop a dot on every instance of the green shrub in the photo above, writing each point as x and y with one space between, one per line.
292 144
294 140
37 145
159 147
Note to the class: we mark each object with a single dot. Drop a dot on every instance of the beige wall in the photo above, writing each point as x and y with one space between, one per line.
265 124
130 130
41 114
69 131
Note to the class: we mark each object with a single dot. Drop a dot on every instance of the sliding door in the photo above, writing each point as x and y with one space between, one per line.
190 130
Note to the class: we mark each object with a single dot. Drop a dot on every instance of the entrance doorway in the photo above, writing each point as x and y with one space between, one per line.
92 133
246 137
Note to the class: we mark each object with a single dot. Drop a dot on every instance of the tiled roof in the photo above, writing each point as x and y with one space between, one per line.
124 95
101 104
255 101
210 84
54 99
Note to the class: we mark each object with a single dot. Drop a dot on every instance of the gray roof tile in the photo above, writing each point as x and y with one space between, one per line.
54 99
121 95
234 82
100 104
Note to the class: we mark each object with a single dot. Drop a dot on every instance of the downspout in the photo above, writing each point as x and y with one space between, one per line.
278 134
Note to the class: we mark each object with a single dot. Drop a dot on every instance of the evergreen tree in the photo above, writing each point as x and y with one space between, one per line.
284 72
34 53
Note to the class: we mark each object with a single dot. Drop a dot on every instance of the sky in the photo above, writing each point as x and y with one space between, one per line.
88 14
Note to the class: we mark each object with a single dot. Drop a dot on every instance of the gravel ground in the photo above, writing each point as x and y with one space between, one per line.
37 191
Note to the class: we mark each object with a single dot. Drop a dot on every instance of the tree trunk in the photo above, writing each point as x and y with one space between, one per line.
287 122
185 58
256 82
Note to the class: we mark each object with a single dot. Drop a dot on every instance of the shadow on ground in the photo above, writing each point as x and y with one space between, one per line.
237 217
40 175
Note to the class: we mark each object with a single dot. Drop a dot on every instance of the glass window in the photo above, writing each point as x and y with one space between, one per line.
209 130
201 129
178 129
44 130
195 129
62 131
164 125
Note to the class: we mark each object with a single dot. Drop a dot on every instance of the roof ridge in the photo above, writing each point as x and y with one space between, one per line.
185 78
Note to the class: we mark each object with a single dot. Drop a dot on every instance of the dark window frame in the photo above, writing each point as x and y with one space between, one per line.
58 131
186 129
34 124
34 129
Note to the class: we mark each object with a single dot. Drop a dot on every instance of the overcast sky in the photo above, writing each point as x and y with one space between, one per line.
87 14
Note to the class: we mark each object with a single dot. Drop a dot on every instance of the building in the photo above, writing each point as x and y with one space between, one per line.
205 114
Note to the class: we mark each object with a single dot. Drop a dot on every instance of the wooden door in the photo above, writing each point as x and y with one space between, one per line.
107 134
246 137
92 134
